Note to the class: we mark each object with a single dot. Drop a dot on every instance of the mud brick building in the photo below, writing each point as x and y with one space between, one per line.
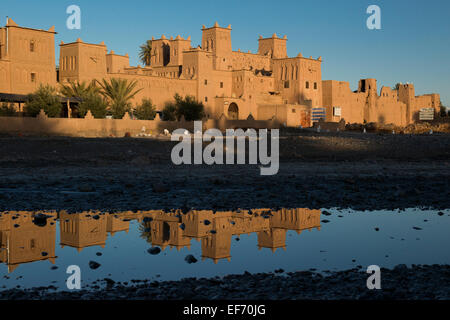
237 84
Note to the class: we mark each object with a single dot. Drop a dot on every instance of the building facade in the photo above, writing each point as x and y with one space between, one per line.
236 84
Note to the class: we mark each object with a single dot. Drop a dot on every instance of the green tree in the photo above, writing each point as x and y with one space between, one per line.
443 111
169 112
145 53
146 110
95 103
90 97
79 89
119 93
189 107
7 110
46 98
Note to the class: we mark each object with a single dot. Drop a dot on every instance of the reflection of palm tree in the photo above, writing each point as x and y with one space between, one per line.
145 231
145 53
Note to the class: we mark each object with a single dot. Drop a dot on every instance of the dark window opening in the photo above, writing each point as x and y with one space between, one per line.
33 77
286 84
221 84
307 84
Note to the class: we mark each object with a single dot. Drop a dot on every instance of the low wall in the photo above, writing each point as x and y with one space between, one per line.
89 127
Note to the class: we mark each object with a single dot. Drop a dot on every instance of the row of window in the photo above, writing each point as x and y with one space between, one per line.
69 63
285 74
286 85
206 83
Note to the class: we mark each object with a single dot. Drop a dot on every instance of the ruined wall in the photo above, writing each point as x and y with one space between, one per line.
392 106
387 108
250 61
338 94
290 115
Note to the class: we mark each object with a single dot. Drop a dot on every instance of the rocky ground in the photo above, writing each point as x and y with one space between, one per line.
317 170
400 283
346 170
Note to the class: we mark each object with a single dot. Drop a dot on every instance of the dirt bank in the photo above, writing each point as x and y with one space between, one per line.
347 170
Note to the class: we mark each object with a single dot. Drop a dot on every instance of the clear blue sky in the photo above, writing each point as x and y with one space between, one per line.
413 45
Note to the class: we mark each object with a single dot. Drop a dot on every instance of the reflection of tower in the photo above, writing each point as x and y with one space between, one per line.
116 223
194 222
217 246
82 229
160 233
168 233
27 242
273 239
296 219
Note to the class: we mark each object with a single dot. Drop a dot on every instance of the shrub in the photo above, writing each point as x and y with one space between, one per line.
146 110
169 112
7 110
45 98
95 103
190 108
187 107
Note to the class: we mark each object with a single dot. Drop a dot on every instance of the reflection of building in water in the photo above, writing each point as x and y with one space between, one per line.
82 229
166 229
273 238
22 241
28 241
215 229
115 223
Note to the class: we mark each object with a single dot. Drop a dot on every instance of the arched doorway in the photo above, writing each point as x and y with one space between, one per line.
233 111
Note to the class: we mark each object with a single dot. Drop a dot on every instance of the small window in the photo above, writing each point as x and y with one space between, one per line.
32 46
307 84
293 110
315 85
206 99
221 84
33 77
286 84
206 82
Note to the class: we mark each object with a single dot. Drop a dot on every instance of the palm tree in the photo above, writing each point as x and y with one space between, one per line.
79 90
145 53
119 92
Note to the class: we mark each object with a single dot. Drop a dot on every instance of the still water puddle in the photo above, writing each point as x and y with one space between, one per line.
37 247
